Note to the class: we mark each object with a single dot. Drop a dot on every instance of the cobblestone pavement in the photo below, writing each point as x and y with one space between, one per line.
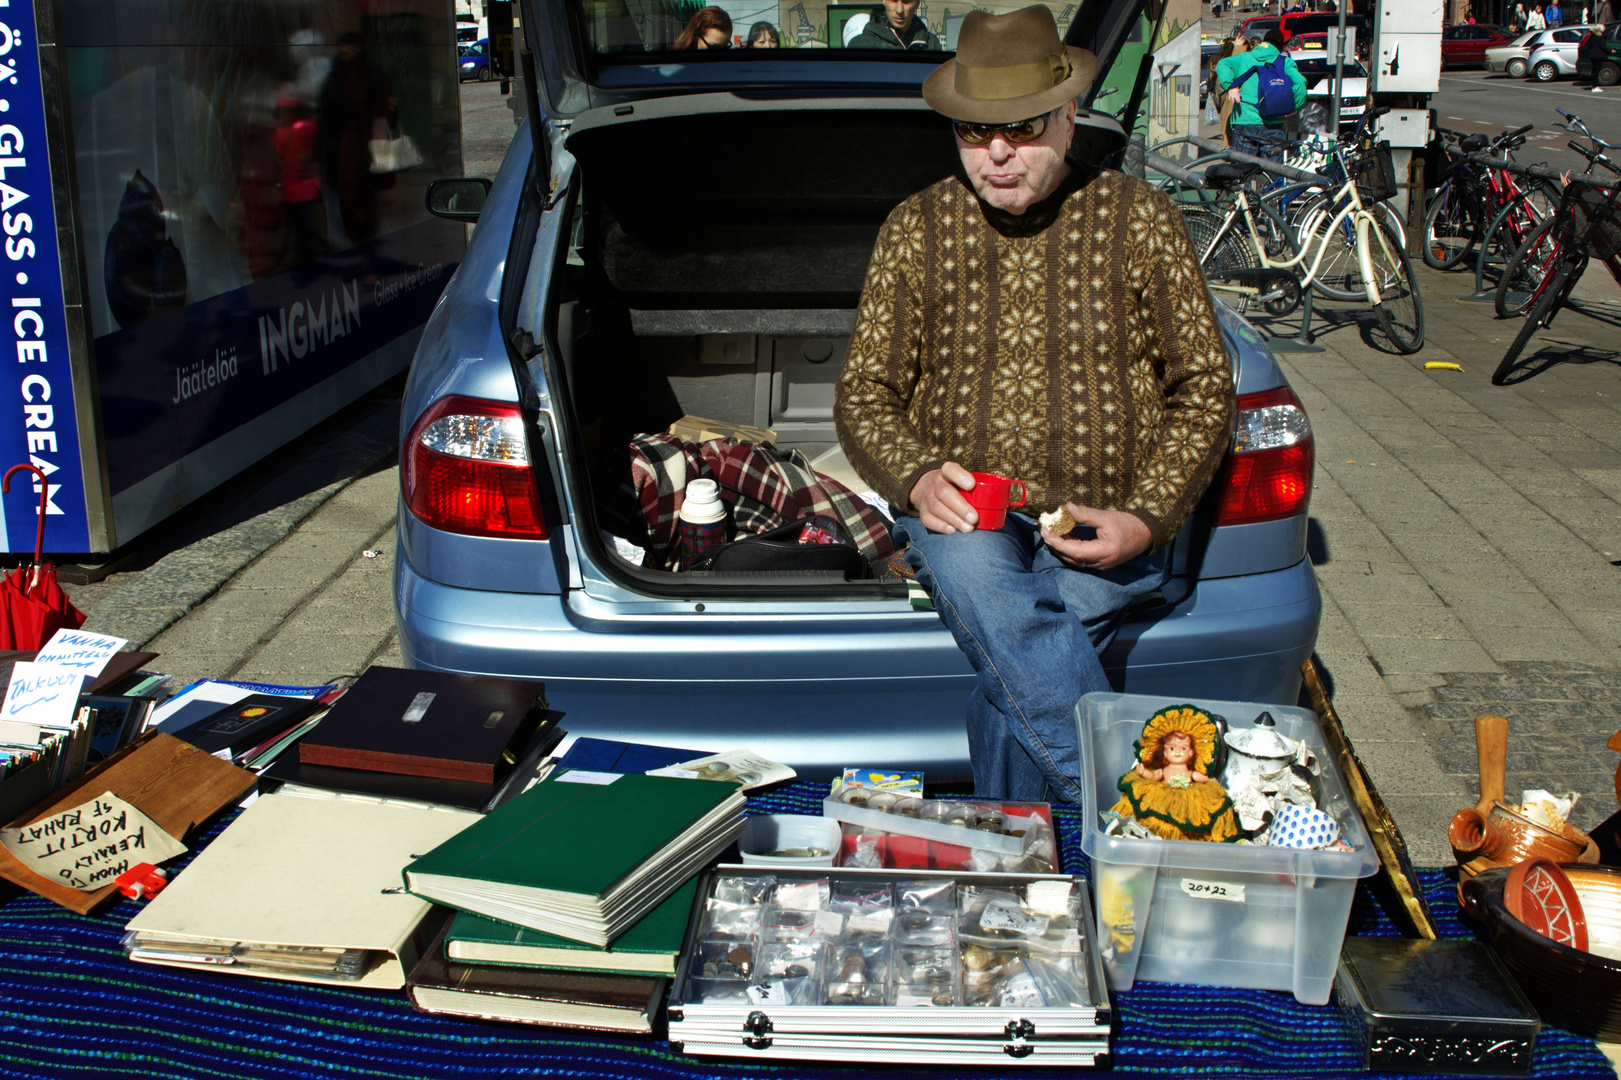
1560 716
1465 534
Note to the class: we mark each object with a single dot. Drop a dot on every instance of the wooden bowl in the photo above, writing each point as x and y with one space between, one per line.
1577 990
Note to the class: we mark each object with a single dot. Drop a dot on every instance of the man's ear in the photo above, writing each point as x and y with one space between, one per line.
1070 111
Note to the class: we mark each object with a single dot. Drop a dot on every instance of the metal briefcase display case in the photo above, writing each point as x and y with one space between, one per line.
891 965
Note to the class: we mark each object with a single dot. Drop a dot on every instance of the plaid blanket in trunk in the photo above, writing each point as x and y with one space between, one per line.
764 487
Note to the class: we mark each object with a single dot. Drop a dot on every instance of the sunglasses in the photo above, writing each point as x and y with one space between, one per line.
1022 131
727 44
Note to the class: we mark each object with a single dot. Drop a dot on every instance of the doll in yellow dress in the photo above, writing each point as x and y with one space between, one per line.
1167 790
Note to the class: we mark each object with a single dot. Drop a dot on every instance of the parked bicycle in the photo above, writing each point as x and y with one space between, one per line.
1533 260
1585 226
1473 195
1258 261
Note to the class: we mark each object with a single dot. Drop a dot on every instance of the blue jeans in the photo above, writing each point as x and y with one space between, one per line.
1261 140
1032 627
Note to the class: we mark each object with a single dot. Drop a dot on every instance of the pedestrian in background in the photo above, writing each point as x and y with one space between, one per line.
1554 16
1253 133
710 28
1238 46
895 25
762 35
1535 20
1519 18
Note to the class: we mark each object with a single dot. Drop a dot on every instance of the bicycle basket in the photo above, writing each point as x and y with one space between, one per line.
1597 224
1375 172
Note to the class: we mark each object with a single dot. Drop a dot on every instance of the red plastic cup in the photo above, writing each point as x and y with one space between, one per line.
991 496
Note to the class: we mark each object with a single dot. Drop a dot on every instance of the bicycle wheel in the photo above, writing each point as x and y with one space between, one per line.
1532 262
1452 226
1513 223
1339 275
1400 310
1541 311
1232 252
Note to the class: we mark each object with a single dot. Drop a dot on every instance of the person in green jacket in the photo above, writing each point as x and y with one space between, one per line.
1251 133
895 25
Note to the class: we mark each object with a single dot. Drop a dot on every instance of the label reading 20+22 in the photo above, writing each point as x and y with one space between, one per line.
1213 890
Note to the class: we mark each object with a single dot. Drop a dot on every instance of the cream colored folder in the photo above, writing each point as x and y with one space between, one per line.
300 887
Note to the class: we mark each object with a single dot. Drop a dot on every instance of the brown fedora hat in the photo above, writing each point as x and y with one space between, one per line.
1009 68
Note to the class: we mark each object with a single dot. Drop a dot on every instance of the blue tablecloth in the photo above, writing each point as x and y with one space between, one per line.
72 1006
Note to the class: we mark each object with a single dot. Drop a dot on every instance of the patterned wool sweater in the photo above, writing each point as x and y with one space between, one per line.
1073 347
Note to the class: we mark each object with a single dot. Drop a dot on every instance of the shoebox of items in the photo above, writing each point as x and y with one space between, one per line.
1265 910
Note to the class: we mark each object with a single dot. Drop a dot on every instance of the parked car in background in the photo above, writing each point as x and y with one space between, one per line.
1309 52
1466 44
475 61
1609 69
1257 25
1554 55
1307 22
1511 58
617 281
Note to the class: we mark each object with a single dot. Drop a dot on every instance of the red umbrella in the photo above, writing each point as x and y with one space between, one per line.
32 604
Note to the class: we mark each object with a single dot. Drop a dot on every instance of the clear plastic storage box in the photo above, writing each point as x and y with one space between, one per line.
1253 916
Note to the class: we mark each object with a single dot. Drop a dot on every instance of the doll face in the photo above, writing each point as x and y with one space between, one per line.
1178 749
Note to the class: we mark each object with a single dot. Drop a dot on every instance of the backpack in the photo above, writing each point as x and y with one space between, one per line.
1275 93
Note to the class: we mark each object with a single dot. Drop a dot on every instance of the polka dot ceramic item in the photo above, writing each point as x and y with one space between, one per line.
1303 827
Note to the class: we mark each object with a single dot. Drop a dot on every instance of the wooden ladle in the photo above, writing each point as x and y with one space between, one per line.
1491 759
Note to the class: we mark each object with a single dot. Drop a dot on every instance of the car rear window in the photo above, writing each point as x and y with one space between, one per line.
613 27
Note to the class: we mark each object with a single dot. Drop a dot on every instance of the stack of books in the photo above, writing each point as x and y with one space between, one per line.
571 900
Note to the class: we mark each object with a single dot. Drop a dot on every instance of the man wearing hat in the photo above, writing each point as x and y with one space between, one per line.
1039 318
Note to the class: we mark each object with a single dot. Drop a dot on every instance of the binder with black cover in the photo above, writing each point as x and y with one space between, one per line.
428 723
241 726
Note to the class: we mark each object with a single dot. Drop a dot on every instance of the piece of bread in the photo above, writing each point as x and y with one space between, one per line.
1057 522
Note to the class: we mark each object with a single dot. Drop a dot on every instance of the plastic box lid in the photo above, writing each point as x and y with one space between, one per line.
1108 726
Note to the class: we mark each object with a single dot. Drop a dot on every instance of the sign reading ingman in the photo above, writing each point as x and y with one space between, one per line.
299 329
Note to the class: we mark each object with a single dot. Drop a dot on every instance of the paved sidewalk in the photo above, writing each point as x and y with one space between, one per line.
1468 542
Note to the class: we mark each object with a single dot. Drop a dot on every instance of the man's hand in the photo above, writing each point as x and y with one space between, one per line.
1233 94
1121 538
937 498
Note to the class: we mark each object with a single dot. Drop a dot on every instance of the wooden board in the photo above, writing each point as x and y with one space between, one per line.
172 782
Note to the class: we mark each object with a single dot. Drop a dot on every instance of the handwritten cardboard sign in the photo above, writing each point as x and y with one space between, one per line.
79 651
90 845
42 694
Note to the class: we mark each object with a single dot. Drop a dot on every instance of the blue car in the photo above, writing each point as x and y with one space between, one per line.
688 234
475 61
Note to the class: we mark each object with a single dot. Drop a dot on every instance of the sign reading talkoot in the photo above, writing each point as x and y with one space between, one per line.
92 844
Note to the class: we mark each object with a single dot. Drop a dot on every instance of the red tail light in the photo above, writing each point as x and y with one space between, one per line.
1268 473
465 469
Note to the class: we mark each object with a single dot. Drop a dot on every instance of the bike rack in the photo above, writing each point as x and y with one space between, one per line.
1482 295
1305 340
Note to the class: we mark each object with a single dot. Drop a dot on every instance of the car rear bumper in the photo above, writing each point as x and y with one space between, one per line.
820 689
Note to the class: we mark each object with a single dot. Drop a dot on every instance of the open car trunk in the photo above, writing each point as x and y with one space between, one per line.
718 258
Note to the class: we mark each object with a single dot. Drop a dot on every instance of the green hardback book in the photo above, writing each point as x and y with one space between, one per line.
584 858
648 948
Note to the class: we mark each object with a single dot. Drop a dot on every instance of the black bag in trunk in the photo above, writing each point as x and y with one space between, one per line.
813 543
